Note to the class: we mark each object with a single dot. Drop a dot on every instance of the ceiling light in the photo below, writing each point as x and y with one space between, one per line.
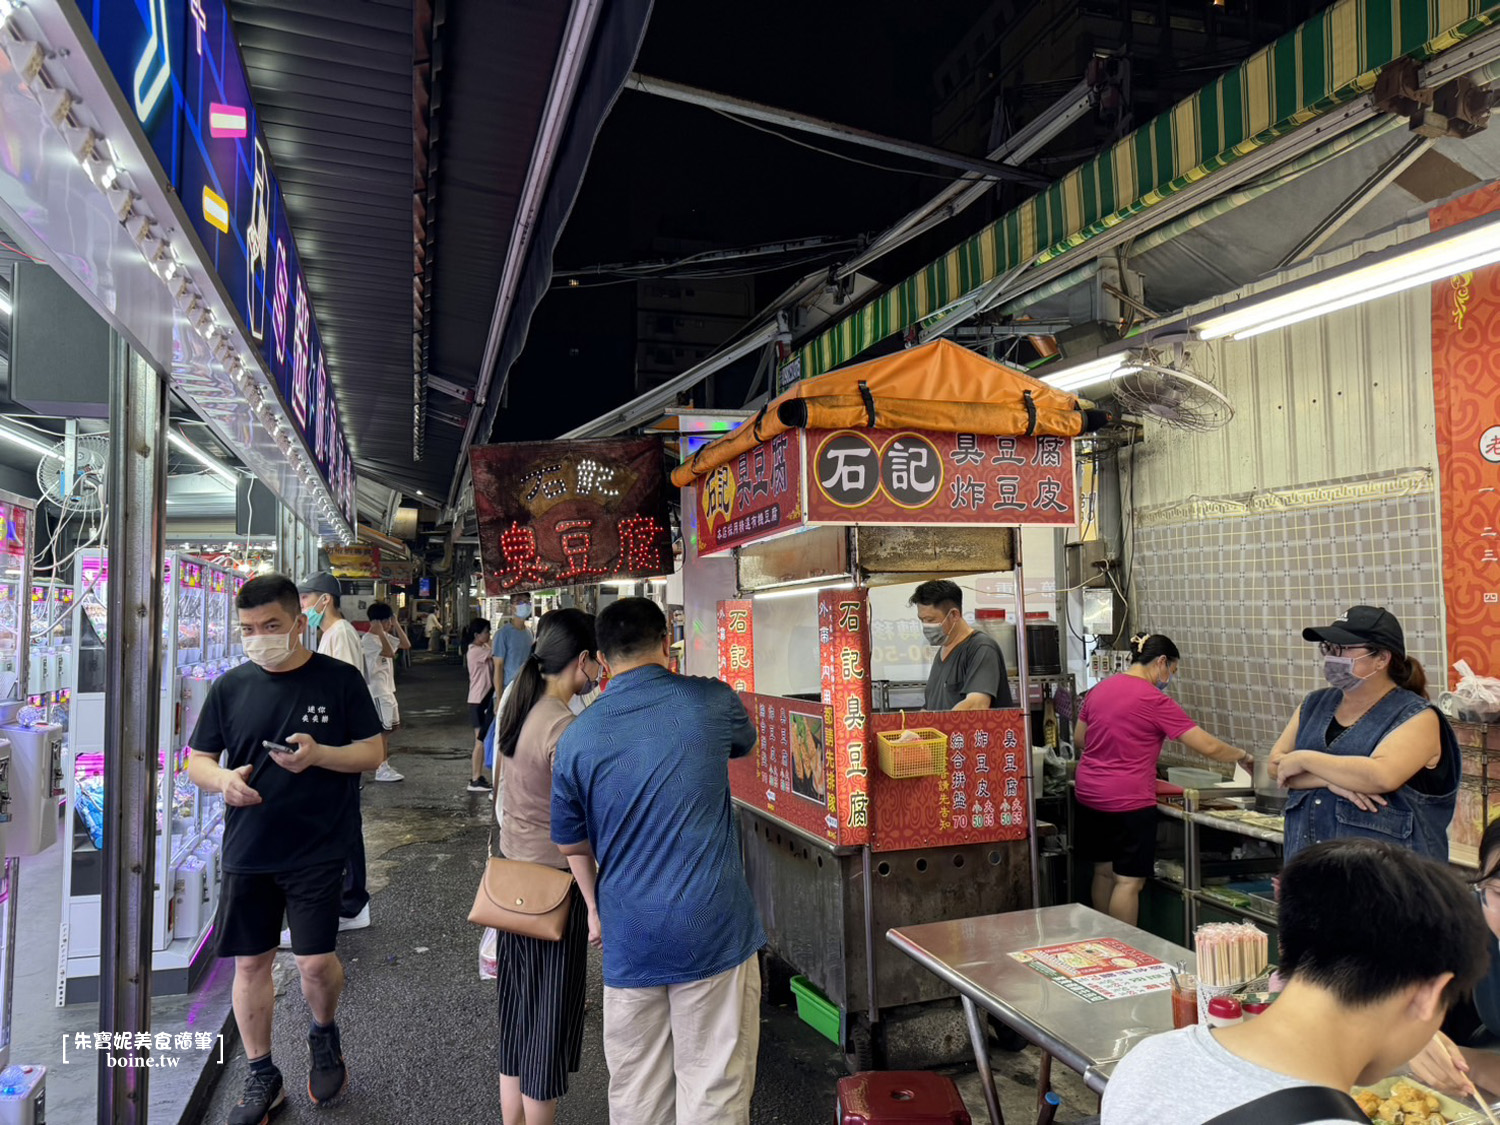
1419 261
121 202
57 103
5 305
218 468
1077 376
15 437
26 58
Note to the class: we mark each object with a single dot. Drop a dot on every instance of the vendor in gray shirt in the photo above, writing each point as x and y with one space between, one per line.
968 672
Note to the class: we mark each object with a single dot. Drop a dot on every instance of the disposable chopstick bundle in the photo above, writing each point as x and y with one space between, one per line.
1230 953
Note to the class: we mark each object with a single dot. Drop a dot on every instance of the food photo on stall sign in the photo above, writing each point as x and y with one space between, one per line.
809 758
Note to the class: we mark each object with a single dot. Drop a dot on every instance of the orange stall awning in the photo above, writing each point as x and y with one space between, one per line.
939 386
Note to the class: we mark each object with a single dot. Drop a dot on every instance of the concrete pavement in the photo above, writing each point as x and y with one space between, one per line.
419 1027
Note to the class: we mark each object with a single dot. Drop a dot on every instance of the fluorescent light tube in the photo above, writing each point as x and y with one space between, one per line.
1422 261
218 468
1075 377
15 437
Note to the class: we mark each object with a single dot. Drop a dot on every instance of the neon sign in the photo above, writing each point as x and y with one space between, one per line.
154 70
179 62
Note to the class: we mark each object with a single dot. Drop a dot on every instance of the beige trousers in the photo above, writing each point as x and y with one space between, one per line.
684 1054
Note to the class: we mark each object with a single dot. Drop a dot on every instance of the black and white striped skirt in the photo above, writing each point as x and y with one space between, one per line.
541 986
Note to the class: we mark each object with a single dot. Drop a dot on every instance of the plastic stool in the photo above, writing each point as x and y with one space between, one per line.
907 1097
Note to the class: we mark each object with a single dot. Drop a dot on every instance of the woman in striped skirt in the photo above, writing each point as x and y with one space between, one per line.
541 983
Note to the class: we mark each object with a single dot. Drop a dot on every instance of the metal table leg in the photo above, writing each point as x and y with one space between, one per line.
981 1047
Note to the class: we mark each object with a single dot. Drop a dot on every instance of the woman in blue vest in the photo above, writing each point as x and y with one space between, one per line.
1369 755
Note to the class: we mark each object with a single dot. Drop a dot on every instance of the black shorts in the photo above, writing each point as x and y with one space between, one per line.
251 906
1125 839
483 714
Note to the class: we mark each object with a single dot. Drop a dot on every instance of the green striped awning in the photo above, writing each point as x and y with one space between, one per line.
1329 61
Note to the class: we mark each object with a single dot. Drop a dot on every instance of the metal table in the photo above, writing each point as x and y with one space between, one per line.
972 955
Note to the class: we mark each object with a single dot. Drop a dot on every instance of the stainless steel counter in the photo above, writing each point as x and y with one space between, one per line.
972 955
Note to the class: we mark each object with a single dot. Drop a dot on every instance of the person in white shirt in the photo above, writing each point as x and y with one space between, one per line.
340 640
381 644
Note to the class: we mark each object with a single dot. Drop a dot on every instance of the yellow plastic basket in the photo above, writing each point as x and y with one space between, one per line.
923 756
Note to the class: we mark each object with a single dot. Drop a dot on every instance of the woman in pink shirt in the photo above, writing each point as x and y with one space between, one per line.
479 658
1120 731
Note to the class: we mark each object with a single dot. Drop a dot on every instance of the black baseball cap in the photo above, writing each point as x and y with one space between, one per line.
1362 625
320 583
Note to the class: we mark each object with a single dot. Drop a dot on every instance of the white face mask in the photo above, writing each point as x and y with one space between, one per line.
270 650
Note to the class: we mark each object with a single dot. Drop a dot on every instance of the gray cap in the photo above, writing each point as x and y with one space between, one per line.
320 583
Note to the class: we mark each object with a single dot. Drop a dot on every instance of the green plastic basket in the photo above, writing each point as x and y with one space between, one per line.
818 1012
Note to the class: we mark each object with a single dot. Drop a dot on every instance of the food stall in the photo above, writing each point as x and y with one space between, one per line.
855 819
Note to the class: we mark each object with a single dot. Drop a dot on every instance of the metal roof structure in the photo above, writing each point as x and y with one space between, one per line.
411 139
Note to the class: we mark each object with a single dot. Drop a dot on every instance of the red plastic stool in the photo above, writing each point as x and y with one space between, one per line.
907 1097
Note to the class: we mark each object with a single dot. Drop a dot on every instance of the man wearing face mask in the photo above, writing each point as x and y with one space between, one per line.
296 729
1369 755
968 672
337 638
512 644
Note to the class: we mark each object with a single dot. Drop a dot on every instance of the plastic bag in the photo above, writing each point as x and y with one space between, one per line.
1476 699
488 948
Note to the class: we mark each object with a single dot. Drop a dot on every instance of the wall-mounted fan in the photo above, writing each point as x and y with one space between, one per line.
85 492
1165 388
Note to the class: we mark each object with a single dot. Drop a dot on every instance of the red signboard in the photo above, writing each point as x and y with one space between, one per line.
556 513
757 496
925 477
788 774
736 622
844 650
1466 381
981 798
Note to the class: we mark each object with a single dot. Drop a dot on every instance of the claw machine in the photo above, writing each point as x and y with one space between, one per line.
189 826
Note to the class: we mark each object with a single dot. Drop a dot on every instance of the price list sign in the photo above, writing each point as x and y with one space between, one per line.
787 776
557 513
981 798
736 629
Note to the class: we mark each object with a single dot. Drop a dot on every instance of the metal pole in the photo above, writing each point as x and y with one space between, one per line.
806 123
981 1045
132 712
1023 677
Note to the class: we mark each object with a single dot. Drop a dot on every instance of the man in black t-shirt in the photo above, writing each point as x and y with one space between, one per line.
295 730
968 672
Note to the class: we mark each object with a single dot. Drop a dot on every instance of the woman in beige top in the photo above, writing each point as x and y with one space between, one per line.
541 983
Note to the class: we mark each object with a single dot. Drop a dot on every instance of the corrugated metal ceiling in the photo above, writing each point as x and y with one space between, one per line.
333 83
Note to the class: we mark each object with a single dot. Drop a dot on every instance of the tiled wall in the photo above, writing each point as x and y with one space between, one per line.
1234 580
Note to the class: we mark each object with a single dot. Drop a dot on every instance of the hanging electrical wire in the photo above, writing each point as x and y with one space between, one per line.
947 177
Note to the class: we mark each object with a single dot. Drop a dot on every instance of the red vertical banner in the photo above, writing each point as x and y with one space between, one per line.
737 644
1466 386
844 648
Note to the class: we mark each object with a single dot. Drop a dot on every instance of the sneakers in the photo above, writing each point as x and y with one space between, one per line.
385 773
263 1094
360 921
326 1073
480 785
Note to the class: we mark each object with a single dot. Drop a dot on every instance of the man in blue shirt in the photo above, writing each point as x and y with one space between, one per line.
641 781
512 644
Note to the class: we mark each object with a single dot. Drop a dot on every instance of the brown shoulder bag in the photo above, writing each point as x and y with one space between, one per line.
516 897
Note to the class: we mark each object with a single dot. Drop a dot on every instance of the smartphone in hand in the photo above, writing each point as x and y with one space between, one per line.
279 747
